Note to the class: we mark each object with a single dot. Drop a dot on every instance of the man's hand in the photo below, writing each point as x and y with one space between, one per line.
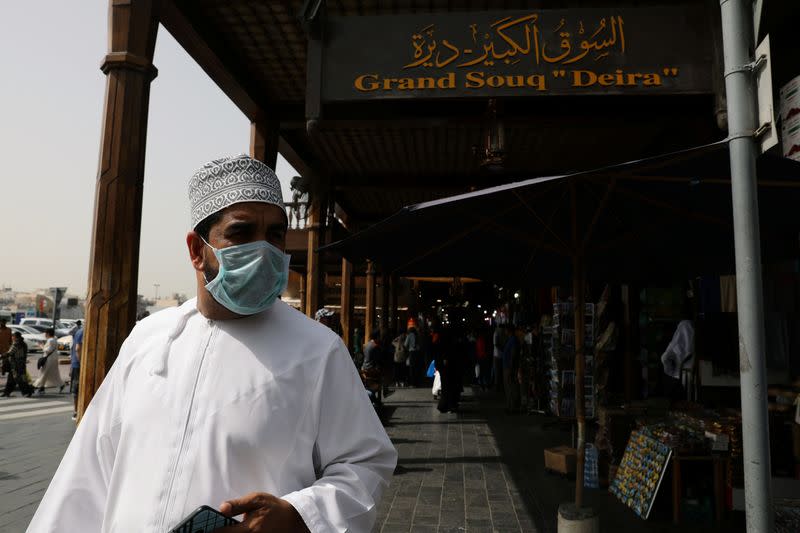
263 513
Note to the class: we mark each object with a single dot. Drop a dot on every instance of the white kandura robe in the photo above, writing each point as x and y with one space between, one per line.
195 412
49 374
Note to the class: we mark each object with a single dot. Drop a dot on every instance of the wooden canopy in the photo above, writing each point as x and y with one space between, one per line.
379 156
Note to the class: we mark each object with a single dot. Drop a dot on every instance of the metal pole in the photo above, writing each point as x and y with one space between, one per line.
55 306
738 45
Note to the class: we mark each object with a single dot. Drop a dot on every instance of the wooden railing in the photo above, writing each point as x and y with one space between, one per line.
297 213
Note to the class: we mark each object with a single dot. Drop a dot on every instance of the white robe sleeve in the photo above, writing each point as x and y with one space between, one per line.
356 457
76 497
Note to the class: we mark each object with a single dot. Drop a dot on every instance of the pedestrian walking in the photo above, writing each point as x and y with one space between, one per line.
372 352
15 360
482 344
414 362
74 329
75 367
233 400
499 342
358 347
448 355
49 375
399 358
5 336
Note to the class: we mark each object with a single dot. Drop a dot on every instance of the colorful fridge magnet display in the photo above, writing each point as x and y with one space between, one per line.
640 473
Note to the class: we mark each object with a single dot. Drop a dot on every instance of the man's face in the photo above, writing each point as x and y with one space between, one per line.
2 323
241 224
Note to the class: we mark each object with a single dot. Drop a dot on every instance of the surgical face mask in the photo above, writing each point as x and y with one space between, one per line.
251 276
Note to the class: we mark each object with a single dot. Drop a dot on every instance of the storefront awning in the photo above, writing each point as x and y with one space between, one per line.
667 216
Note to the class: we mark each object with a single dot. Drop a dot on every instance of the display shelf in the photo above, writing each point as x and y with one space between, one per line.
560 356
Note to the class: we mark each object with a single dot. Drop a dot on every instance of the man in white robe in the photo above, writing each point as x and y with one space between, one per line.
260 413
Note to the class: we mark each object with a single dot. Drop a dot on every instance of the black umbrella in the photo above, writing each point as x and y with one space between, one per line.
664 216
668 216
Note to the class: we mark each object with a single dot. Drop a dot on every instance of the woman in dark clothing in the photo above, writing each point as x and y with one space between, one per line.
447 359
484 357
17 358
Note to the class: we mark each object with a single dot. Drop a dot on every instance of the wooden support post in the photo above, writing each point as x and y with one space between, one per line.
303 293
315 217
264 138
386 312
113 270
580 313
369 311
580 372
347 302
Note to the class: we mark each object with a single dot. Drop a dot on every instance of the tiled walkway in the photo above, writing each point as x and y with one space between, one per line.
482 471
450 476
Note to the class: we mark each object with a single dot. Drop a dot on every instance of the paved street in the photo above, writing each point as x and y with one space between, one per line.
476 471
33 436
34 432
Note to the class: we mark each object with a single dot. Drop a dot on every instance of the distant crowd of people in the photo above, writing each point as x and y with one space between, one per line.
503 358
14 363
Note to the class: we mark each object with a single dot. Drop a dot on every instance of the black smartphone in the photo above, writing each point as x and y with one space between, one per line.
204 519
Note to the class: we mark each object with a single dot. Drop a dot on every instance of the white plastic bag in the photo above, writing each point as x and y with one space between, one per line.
437 384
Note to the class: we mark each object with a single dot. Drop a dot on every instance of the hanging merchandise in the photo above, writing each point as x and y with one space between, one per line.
560 358
591 478
789 111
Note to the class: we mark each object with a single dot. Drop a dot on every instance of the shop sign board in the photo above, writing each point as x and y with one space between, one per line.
653 50
766 115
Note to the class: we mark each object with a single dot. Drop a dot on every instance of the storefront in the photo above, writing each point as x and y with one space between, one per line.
385 105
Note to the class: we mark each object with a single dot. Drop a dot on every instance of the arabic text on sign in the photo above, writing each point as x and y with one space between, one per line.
511 39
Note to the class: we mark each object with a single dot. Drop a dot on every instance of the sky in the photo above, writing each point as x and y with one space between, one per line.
51 105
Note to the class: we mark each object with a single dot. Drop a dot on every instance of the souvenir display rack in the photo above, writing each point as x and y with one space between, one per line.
641 471
560 357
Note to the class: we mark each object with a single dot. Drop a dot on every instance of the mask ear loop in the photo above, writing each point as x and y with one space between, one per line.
205 278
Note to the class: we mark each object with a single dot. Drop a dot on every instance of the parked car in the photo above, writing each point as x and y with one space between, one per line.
41 324
33 339
65 343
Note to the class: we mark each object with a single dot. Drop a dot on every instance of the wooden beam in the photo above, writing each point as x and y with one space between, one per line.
244 97
113 270
247 98
302 162
264 141
346 306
